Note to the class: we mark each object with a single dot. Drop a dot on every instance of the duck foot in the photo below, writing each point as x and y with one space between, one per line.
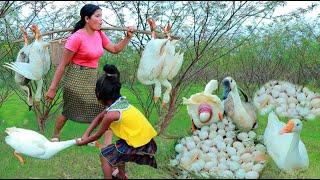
22 161
155 99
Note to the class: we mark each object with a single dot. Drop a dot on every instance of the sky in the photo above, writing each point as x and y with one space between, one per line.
291 6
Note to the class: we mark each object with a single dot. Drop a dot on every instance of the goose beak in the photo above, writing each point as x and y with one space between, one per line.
288 128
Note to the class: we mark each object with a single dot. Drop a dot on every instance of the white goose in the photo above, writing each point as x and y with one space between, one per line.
159 63
204 108
33 144
243 114
32 63
284 145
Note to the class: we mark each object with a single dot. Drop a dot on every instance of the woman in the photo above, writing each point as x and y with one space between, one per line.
82 52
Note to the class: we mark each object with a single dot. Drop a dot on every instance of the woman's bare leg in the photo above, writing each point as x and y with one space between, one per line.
60 122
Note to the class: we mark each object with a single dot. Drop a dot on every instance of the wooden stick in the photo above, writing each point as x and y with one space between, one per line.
103 28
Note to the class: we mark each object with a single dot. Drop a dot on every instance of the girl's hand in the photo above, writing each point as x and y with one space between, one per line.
130 31
85 136
50 95
79 142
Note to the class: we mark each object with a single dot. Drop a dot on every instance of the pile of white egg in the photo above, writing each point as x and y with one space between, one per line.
218 151
287 100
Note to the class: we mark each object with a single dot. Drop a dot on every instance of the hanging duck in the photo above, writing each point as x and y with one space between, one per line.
159 63
32 63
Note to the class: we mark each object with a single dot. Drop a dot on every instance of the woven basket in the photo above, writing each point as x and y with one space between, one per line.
57 47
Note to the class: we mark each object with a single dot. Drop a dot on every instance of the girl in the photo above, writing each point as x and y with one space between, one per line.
136 134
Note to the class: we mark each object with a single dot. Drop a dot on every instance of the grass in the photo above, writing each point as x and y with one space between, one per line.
83 162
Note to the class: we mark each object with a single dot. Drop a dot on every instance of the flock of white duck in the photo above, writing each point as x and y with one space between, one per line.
287 100
230 148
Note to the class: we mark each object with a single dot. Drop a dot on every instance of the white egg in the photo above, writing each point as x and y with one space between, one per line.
247 166
230 134
179 148
222 132
174 162
243 135
234 166
228 141
235 158
252 175
257 167
231 151
190 145
246 157
251 134
240 174
203 135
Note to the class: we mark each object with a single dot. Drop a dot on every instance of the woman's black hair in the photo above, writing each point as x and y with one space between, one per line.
108 85
86 10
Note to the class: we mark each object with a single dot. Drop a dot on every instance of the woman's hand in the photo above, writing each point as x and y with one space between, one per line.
130 31
50 95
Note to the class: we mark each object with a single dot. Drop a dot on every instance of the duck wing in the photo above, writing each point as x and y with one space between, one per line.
277 144
229 106
303 155
25 69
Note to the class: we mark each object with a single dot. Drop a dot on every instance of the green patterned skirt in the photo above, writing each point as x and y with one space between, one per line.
79 100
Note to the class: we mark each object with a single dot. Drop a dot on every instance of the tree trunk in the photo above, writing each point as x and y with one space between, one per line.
171 110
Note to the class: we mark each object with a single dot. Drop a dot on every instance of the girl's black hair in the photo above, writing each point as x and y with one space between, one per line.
108 85
86 10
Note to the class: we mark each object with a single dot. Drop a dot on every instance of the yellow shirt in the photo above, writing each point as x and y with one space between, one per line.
132 126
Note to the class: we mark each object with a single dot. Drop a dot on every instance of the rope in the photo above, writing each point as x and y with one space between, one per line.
160 35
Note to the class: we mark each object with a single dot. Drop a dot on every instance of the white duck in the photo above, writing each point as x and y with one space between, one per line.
284 145
243 114
33 144
159 63
19 79
32 63
204 108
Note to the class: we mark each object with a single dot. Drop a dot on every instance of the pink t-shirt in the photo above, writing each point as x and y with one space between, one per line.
88 48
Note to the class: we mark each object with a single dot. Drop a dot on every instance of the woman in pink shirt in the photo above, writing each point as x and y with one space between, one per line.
82 52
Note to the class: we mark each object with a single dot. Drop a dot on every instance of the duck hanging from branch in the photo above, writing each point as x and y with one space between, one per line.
32 63
159 63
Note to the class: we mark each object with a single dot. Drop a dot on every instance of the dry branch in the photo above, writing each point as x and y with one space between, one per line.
160 35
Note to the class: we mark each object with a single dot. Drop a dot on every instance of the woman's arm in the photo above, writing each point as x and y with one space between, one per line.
94 124
108 118
120 46
65 60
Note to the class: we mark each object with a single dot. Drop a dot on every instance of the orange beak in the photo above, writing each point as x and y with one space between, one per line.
220 115
288 128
